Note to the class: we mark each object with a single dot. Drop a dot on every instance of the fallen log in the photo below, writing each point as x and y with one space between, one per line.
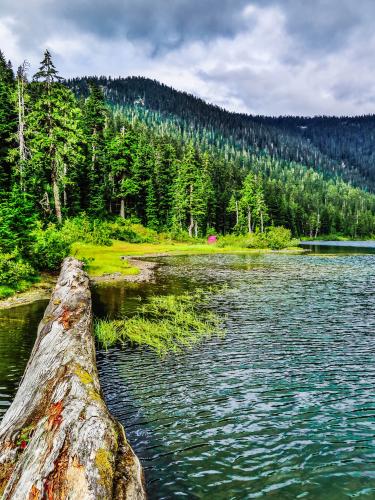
58 439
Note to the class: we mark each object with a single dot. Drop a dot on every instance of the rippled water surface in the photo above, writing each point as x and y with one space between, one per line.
282 407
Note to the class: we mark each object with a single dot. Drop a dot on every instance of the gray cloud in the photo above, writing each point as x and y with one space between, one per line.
263 56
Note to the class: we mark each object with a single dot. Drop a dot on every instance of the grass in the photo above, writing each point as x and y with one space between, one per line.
165 324
107 259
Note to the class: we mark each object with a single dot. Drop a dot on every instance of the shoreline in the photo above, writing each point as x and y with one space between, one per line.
43 289
146 272
39 291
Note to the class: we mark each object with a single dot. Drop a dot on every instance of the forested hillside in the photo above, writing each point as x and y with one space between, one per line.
73 164
338 146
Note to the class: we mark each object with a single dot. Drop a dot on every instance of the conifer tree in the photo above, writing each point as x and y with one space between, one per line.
8 125
52 137
97 173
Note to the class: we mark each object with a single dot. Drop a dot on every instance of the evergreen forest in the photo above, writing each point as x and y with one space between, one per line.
98 149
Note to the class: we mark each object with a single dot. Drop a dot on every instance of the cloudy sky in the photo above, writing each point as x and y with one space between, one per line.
274 57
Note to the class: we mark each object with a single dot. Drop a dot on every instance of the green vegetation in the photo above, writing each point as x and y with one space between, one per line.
15 275
334 145
79 176
275 238
165 324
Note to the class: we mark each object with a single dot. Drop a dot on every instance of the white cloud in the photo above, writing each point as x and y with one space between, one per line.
263 69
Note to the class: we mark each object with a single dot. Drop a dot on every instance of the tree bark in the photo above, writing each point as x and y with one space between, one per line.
21 122
58 439
317 225
249 221
191 226
65 194
56 198
122 208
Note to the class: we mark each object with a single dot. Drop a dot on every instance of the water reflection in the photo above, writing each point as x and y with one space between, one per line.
18 328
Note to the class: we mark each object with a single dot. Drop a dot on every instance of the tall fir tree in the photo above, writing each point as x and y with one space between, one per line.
8 123
52 137
96 179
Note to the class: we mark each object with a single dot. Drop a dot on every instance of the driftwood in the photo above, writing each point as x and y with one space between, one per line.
58 439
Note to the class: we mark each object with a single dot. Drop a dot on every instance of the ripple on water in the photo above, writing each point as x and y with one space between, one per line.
283 406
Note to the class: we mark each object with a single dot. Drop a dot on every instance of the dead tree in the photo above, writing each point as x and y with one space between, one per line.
58 439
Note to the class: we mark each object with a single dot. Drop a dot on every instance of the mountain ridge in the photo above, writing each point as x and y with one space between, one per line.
339 146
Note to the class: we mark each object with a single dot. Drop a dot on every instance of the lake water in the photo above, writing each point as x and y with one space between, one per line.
283 406
347 247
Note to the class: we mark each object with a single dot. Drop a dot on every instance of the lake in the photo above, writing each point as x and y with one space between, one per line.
283 406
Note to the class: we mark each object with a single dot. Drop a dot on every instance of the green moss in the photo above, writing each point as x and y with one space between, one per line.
83 375
103 464
95 396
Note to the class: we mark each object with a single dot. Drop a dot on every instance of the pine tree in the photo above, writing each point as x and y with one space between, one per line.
52 133
47 73
8 124
121 157
260 207
97 172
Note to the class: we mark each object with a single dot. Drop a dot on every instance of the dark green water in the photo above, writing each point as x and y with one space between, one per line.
282 407
18 328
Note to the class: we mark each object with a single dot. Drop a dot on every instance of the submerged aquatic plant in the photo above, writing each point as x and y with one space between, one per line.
165 323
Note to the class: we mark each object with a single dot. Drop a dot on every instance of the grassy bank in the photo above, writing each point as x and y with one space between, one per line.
108 260
106 248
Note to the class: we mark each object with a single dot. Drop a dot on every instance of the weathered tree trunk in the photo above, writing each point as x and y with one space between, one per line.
58 439
65 194
21 76
191 226
196 229
249 227
56 197
122 208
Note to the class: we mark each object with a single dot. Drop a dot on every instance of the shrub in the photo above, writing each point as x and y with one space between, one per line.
275 238
6 291
278 237
50 249
248 241
14 271
17 221
85 230
98 232
126 230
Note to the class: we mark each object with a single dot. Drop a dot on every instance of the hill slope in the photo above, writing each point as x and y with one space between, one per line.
336 146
